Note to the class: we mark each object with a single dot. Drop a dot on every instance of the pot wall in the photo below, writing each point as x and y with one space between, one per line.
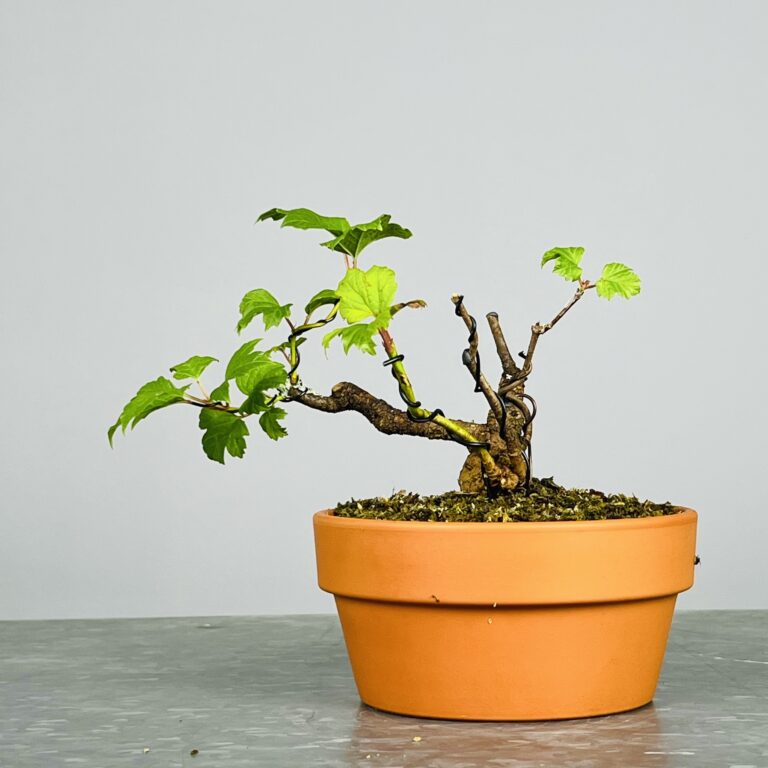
507 621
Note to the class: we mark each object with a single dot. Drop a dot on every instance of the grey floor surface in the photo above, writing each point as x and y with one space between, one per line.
278 692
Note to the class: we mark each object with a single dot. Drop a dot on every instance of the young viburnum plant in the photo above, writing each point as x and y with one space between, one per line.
260 379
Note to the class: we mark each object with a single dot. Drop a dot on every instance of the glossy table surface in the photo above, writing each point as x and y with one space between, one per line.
278 691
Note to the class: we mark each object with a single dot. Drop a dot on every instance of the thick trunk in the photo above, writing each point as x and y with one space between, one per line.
507 454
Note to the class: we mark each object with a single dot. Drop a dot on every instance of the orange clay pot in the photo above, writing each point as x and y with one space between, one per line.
506 621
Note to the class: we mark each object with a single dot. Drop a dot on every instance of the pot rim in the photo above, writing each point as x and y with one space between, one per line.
682 516
537 563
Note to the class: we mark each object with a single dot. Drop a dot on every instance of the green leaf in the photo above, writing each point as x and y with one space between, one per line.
192 368
322 298
151 397
360 336
360 236
262 302
618 280
270 423
303 218
242 360
567 261
253 369
223 432
367 294
256 402
264 374
347 239
221 393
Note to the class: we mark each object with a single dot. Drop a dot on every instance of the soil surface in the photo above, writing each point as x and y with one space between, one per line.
546 501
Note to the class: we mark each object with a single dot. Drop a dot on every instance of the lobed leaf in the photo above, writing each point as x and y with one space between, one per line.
151 397
567 262
253 369
350 240
367 294
360 236
270 422
303 218
192 368
360 336
262 302
242 359
618 280
221 393
223 432
265 374
322 298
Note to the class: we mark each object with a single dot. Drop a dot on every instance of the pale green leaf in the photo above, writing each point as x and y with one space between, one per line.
322 298
270 423
567 261
618 280
262 302
152 396
223 432
303 218
192 368
367 294
360 336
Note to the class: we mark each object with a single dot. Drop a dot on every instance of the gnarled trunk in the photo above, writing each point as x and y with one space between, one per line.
508 454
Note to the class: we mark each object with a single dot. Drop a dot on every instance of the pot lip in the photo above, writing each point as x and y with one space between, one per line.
683 516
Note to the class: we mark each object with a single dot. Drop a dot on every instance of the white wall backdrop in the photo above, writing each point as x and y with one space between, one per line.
138 142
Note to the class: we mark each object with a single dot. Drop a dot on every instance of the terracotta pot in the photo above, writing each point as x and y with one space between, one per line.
506 621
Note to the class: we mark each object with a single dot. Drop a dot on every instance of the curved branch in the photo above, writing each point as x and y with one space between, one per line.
473 359
346 396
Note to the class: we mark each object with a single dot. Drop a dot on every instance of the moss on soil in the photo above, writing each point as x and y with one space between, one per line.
546 501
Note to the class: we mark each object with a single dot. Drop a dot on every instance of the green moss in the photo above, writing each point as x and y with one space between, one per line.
546 501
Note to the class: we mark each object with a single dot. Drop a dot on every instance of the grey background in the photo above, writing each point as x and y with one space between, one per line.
140 140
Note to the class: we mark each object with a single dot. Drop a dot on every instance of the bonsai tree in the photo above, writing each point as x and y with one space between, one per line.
259 380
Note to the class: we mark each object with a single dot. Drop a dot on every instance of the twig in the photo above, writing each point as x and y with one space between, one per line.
508 364
539 329
473 359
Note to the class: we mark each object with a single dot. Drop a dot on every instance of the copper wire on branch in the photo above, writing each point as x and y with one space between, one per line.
432 415
292 340
502 397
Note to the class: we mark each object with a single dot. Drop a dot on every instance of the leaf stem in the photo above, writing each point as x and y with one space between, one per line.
202 389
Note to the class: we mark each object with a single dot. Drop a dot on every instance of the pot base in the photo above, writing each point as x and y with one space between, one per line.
506 662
